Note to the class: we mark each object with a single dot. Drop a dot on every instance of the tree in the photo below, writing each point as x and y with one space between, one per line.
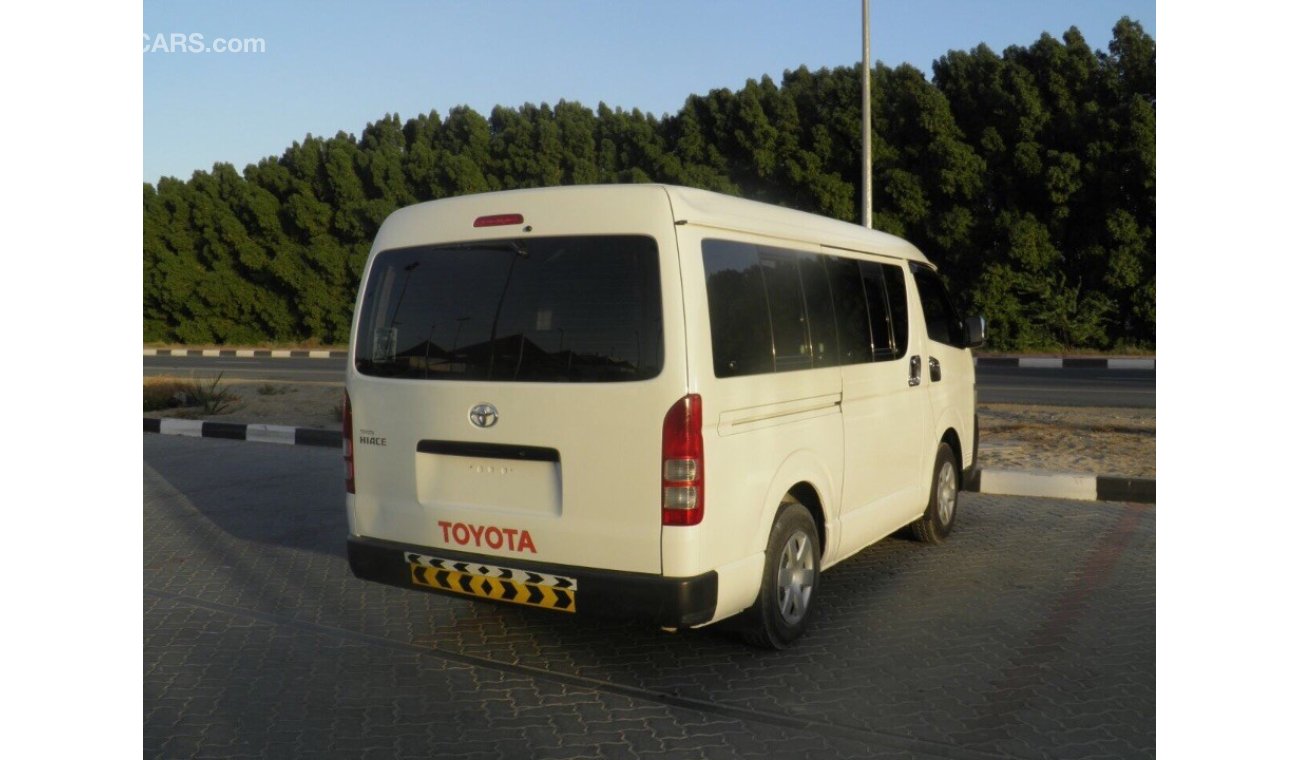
1028 176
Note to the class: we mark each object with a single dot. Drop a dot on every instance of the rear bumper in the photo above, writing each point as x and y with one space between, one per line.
668 602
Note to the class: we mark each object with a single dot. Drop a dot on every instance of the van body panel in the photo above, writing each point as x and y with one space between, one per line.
756 423
952 395
592 520
586 508
810 467
738 585
736 421
888 435
883 451
744 466
740 570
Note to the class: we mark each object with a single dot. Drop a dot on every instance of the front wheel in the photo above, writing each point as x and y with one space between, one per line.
941 513
791 573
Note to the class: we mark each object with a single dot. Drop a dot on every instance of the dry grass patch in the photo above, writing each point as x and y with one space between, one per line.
162 393
295 404
189 398
1100 440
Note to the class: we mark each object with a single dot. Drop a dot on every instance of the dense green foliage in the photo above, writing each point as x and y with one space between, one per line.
1029 177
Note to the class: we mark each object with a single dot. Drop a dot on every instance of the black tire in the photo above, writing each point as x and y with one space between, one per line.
941 513
785 604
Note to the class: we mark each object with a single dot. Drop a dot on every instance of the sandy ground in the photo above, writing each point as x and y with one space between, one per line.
1097 440
313 405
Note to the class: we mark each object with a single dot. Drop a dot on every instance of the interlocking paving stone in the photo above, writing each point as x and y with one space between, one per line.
1030 633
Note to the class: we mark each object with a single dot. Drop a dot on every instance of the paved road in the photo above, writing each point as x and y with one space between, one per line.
999 385
293 370
1067 387
1030 634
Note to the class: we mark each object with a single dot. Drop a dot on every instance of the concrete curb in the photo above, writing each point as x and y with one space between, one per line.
1062 485
1063 362
1052 485
248 353
297 436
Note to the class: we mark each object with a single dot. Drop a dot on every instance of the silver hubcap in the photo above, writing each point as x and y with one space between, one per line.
946 491
794 578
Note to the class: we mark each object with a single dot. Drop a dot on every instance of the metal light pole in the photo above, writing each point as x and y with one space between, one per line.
866 113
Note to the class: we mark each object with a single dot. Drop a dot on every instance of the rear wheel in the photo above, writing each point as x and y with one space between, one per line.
941 513
791 573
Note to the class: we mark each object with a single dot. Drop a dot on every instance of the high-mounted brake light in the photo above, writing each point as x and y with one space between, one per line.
348 466
683 463
498 220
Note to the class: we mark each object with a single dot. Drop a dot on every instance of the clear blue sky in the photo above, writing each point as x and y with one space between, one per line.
331 66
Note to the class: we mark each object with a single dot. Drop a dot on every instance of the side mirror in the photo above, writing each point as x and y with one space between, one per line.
976 329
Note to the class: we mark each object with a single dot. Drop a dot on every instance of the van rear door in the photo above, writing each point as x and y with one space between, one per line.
508 396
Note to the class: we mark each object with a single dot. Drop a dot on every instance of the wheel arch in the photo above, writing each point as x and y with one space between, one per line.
807 495
808 480
953 440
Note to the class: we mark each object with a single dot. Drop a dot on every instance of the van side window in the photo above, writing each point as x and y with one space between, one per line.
941 322
742 328
887 307
820 303
790 343
852 317
897 289
757 310
775 310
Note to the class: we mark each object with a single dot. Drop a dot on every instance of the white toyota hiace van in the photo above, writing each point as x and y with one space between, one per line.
647 401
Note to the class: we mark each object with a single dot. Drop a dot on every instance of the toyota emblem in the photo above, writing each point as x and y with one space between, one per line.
483 415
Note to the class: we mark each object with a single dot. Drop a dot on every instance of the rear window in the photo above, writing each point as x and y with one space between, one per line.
555 309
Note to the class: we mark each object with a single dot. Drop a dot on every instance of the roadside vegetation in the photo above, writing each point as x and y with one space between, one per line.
1027 175
273 389
193 397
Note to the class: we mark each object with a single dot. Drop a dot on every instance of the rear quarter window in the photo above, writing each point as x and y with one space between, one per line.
738 311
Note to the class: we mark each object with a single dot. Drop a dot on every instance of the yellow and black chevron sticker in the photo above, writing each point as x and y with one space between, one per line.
553 592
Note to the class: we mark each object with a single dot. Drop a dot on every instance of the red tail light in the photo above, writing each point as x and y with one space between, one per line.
499 220
683 463
348 467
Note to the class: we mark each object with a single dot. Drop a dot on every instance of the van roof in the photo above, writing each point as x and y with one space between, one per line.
704 208
709 209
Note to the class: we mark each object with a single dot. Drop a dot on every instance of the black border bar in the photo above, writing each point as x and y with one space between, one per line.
489 451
